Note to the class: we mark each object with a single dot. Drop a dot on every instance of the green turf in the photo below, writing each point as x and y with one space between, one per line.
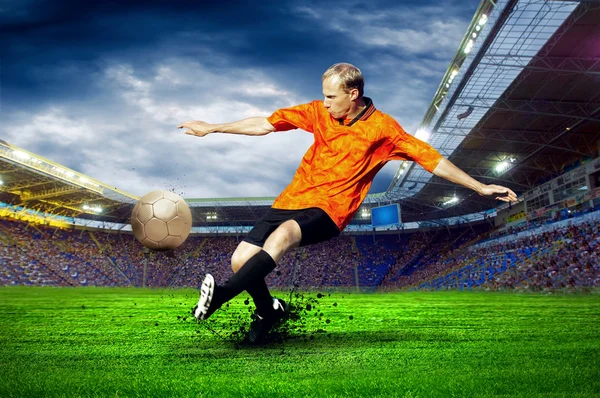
104 342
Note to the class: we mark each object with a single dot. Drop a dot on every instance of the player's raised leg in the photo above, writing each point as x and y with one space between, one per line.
241 255
252 273
271 312
259 291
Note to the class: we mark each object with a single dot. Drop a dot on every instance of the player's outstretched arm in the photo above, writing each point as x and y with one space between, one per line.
447 170
250 126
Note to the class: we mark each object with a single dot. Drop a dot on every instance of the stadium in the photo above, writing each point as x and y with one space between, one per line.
505 303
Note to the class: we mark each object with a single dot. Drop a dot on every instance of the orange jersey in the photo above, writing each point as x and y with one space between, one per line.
338 169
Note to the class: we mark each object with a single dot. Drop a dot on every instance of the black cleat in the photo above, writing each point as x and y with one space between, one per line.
261 325
204 309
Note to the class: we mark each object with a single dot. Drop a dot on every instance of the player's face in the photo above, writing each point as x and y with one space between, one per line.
338 102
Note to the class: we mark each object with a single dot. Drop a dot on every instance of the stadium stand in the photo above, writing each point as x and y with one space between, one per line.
485 116
555 255
558 255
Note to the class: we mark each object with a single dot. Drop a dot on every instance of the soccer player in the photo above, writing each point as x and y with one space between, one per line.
352 142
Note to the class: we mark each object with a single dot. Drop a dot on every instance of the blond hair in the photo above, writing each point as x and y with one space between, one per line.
349 76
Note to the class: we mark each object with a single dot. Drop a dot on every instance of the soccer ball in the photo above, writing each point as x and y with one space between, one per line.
161 220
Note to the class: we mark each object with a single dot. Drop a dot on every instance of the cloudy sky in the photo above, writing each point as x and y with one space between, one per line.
101 86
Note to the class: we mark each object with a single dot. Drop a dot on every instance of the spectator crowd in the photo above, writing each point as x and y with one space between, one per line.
566 256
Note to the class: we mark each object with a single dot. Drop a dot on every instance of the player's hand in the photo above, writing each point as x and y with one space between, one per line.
196 128
499 192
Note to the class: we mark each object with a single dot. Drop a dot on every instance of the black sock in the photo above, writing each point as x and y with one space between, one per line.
251 274
261 296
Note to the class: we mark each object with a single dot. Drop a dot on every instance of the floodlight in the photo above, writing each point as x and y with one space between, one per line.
451 200
94 209
211 216
469 46
502 166
21 155
1 182
422 134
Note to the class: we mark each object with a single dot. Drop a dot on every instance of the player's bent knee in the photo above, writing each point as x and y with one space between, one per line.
287 236
291 233
242 254
235 264
238 259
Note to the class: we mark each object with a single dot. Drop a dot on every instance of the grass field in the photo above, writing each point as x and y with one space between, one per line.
100 342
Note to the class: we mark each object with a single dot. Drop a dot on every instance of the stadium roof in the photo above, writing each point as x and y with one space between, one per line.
523 92
35 183
527 94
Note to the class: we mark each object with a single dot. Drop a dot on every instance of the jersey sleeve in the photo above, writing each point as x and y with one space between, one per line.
407 147
294 117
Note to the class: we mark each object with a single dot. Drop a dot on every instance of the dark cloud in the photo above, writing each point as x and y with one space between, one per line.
111 79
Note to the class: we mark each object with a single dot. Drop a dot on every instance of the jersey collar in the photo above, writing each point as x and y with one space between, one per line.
363 115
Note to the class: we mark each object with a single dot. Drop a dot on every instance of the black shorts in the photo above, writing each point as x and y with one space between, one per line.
316 226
